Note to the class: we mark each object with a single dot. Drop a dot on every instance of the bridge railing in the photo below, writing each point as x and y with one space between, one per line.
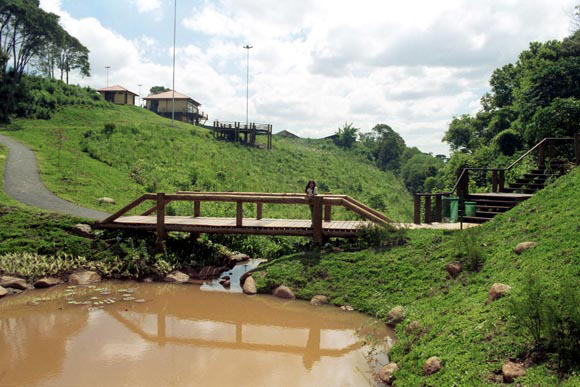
321 206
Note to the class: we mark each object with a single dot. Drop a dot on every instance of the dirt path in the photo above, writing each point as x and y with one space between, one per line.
22 182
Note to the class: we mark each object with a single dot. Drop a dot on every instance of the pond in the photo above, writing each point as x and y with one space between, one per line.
150 334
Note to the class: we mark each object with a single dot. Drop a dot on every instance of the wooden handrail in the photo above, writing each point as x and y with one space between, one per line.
256 197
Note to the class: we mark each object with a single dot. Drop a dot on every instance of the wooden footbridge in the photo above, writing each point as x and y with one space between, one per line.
320 227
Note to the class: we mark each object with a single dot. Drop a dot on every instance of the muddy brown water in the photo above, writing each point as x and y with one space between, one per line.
129 334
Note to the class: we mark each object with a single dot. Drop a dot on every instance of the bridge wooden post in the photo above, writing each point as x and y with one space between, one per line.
239 213
327 212
196 208
428 209
317 220
417 209
494 181
259 207
501 180
160 229
577 147
438 208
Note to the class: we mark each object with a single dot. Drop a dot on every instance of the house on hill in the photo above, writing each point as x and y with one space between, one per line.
186 108
118 94
286 134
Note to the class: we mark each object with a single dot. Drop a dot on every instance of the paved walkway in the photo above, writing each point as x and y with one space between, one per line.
22 182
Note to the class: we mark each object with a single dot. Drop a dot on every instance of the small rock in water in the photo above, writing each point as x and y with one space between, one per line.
284 292
348 308
140 300
318 300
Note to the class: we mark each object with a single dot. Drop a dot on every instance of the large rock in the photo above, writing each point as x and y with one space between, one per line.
47 282
432 365
386 373
454 268
497 291
395 316
83 230
511 370
283 292
14 282
3 292
84 277
521 247
106 200
249 286
176 277
318 300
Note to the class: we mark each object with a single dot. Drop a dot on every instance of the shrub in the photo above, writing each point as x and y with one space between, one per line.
468 249
550 313
108 129
380 235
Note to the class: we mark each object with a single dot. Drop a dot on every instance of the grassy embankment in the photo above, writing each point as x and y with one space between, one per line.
472 339
81 161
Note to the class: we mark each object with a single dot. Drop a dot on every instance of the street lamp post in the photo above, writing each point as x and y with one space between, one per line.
140 100
247 47
107 67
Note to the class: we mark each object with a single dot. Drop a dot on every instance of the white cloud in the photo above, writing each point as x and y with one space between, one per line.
316 64
147 5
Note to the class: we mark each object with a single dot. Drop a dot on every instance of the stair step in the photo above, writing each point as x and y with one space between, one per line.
487 214
490 207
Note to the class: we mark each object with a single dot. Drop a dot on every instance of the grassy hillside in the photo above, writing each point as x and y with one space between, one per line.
471 338
82 161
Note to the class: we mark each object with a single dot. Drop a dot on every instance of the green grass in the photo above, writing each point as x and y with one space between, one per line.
80 163
472 339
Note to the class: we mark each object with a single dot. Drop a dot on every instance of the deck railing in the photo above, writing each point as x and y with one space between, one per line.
321 204
545 149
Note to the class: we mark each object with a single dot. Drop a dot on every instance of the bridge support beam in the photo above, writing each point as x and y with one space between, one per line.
160 227
317 220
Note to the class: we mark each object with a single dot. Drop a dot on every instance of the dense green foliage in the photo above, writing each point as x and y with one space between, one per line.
32 37
346 136
471 337
534 98
83 158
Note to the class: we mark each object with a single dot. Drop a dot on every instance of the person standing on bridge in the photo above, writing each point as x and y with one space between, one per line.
311 191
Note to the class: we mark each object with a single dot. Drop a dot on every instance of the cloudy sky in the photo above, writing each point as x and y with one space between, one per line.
315 64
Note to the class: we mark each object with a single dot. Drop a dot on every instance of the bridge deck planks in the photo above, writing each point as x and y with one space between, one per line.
193 223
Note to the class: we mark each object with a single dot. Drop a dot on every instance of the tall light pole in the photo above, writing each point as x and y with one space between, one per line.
247 47
140 100
173 94
107 67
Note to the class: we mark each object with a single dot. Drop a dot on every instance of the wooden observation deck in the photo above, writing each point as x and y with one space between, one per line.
242 133
320 227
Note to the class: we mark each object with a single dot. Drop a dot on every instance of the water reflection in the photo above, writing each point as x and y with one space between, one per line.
182 336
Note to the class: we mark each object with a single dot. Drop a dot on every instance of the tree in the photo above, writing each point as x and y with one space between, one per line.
417 169
72 54
158 89
460 133
388 148
346 136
